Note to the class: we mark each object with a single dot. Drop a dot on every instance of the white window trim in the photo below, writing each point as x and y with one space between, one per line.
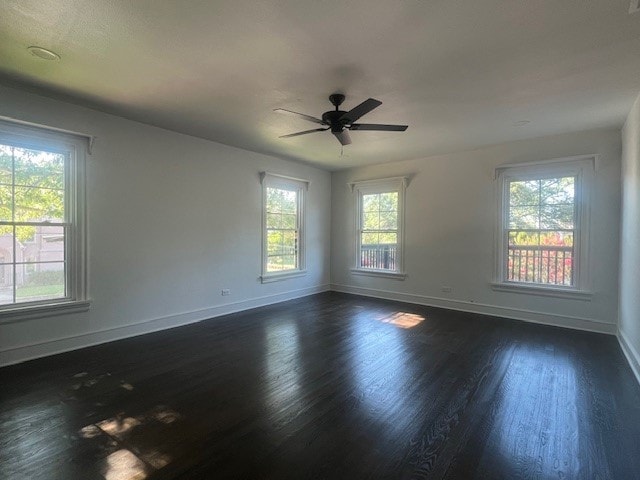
31 136
360 188
268 179
583 168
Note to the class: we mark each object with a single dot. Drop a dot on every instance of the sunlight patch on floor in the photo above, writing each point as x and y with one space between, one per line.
165 415
90 431
124 465
403 319
118 426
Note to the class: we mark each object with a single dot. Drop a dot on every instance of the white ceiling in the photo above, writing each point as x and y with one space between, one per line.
460 73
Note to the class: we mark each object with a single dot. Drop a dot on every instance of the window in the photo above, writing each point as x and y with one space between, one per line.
283 227
543 225
41 220
380 227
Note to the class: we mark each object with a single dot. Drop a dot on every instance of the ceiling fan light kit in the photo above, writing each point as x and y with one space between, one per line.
340 122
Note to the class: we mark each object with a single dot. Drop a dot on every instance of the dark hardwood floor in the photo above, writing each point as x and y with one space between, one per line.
331 386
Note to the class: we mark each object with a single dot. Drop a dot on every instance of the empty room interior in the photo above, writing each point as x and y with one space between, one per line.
319 240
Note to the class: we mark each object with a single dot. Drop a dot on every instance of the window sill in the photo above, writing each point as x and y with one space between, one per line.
531 289
276 277
19 313
379 273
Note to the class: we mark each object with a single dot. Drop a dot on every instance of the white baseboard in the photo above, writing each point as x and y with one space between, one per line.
485 309
23 353
633 357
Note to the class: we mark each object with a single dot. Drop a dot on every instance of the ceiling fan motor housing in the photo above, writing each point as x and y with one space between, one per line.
333 118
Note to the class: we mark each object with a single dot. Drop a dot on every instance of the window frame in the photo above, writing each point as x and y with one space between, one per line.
370 187
300 186
581 167
74 147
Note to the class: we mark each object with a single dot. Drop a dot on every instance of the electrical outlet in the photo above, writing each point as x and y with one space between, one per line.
446 289
226 291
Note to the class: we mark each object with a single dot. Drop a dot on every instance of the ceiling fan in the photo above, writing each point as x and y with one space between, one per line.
339 122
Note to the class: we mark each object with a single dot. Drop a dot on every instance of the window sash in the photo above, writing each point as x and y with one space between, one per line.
537 268
385 258
72 223
572 257
290 255
18 273
280 211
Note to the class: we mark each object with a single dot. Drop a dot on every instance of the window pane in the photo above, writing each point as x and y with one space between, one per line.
274 263
40 281
40 244
378 256
6 249
555 191
371 221
389 201
6 282
6 203
35 168
371 203
274 220
557 239
274 242
556 217
289 262
524 192
524 239
388 220
39 204
289 221
289 202
6 164
388 238
289 241
274 200
282 242
369 238
523 217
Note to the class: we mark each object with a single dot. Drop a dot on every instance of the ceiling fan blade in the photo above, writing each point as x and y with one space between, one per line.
343 137
304 133
362 109
302 115
378 126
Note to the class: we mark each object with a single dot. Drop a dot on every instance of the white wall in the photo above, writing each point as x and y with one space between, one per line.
629 319
450 222
172 220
